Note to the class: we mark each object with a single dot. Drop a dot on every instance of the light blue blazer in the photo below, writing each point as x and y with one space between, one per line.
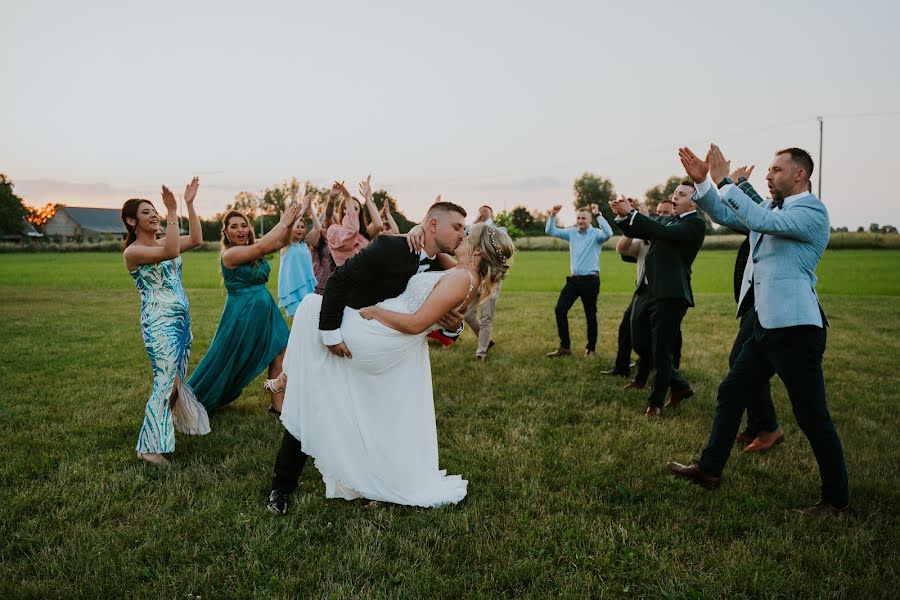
786 247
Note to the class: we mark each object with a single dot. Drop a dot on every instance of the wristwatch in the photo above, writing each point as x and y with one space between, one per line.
741 180
725 182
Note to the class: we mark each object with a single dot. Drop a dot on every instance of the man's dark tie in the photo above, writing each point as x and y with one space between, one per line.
777 203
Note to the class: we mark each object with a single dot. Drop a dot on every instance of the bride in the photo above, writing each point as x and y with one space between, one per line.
369 421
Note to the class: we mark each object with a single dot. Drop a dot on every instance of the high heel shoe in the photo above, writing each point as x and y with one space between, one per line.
277 385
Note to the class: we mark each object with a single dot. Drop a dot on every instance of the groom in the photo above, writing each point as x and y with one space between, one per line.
380 271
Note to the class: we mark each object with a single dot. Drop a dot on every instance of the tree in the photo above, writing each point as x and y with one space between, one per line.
12 210
657 194
244 202
38 217
277 197
504 219
403 223
528 222
591 189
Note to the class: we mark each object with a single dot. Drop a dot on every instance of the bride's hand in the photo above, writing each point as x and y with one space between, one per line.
367 312
415 239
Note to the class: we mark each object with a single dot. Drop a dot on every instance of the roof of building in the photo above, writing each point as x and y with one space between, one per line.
101 220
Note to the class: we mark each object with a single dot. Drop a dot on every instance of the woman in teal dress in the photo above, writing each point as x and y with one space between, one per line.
155 266
252 334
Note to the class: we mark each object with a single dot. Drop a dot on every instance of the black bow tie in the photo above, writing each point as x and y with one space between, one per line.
777 203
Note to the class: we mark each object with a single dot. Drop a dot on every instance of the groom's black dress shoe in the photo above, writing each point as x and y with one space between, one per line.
277 503
695 474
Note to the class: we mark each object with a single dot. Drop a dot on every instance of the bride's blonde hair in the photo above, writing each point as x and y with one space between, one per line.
496 249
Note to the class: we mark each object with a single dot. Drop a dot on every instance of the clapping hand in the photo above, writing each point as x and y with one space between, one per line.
190 191
338 189
621 206
696 168
365 189
742 172
595 209
168 199
307 201
290 215
718 166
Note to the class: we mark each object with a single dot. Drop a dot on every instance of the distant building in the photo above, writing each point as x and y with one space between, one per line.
84 224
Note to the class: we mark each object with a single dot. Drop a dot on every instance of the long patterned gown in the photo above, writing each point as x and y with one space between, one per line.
166 327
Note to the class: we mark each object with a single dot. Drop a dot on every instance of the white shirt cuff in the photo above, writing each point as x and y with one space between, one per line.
332 337
703 187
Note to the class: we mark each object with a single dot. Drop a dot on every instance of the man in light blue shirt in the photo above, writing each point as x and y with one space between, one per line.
584 282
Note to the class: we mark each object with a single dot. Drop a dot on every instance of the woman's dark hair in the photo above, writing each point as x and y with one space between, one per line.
130 211
228 216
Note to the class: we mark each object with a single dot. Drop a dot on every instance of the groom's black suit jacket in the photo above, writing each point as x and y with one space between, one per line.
379 271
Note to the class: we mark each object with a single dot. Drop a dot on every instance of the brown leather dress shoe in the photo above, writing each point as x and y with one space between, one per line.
559 352
823 508
676 396
654 411
634 385
765 440
744 438
694 474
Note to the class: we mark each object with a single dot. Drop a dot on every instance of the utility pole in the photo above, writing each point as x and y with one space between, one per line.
821 121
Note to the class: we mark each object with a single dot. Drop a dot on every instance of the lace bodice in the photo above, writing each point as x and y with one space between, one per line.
413 297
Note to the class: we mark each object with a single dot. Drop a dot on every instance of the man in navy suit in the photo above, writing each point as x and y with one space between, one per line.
788 236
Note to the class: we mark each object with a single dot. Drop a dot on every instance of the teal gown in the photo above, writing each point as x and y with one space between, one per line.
251 333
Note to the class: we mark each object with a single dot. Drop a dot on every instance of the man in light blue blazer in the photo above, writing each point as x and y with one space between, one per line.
788 236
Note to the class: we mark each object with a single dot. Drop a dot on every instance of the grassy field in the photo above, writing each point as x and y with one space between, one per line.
568 495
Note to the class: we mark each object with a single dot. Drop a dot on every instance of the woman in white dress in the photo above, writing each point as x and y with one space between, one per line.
369 421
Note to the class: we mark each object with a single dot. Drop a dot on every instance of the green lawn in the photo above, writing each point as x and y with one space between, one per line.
568 495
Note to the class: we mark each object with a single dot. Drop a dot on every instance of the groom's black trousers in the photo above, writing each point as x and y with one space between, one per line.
289 464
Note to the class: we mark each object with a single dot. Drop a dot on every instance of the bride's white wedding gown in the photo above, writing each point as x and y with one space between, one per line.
368 421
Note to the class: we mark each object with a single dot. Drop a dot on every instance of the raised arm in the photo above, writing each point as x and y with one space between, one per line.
551 228
315 233
605 228
195 231
386 213
279 236
707 198
805 221
635 225
449 293
377 225
136 255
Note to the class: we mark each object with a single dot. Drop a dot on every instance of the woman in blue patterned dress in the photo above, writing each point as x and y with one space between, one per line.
155 266
251 334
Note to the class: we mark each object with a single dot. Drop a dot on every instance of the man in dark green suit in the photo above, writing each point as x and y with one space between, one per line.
675 242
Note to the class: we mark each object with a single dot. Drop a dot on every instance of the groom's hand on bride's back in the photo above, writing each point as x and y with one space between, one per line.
451 321
340 350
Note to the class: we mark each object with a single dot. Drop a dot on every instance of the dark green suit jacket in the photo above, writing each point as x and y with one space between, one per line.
675 242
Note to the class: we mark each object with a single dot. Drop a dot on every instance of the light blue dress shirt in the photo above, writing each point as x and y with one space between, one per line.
584 248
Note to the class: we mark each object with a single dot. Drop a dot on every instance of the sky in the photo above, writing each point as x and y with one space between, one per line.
500 103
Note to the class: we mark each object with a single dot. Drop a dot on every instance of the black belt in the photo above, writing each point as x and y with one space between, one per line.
584 277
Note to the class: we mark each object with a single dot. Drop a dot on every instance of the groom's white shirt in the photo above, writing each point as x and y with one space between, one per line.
333 337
